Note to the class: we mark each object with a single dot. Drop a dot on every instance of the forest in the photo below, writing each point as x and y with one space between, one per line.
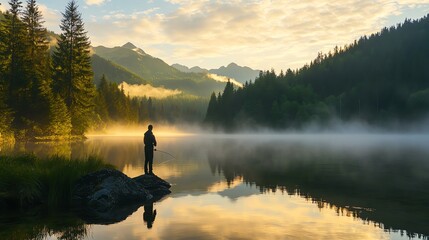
48 93
377 79
43 95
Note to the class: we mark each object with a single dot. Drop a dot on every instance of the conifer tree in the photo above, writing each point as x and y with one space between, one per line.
37 68
15 80
5 112
60 124
101 107
212 109
72 69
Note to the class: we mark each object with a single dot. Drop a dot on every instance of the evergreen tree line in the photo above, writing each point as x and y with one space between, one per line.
43 95
114 105
376 79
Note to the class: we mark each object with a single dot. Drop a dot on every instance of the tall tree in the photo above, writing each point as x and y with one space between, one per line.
37 68
5 111
211 114
16 82
72 69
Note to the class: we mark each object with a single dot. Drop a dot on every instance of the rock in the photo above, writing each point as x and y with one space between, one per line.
107 188
109 196
157 186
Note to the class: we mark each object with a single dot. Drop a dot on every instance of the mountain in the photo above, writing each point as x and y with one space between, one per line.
132 65
239 73
138 62
185 69
113 72
101 66
380 79
157 72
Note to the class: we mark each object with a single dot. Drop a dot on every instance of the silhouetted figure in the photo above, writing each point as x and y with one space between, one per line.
149 214
149 144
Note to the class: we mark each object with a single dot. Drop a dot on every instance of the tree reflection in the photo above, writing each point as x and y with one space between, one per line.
41 225
385 186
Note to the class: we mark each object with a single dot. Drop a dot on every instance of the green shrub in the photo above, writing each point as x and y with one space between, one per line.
27 180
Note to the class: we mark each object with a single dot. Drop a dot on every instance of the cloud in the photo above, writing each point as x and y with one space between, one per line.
146 90
224 79
52 18
2 8
260 33
94 2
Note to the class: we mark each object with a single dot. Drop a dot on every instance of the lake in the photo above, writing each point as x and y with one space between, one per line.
266 186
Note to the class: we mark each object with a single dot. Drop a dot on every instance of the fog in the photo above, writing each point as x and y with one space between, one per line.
224 79
354 136
146 90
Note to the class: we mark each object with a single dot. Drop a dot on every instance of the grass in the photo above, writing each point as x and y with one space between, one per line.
27 180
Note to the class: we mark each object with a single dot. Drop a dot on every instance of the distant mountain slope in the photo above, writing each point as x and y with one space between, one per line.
185 69
100 66
138 62
157 72
113 72
239 73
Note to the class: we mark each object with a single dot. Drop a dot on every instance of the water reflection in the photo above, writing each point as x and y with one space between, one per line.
38 224
274 186
385 182
149 214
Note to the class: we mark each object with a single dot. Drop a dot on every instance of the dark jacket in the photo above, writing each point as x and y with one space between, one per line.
149 139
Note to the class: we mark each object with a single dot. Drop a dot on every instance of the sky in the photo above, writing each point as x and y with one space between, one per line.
261 34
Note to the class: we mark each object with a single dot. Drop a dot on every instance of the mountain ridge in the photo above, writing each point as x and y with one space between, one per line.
232 70
157 72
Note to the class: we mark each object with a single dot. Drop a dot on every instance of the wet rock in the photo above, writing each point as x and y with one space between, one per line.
107 188
157 186
109 196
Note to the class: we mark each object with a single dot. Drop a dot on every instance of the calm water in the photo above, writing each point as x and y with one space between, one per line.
257 187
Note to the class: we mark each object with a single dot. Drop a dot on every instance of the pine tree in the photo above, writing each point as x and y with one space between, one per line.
72 69
211 115
5 112
101 107
60 124
15 81
37 65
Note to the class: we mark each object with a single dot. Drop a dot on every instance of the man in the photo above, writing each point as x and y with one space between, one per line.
149 144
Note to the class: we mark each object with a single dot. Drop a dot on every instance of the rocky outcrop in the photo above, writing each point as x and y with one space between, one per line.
157 187
109 196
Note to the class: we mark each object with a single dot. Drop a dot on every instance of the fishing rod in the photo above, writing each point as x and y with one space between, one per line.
164 152
173 157
167 154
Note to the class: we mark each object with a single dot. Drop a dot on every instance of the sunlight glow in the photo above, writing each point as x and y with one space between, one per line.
138 131
214 217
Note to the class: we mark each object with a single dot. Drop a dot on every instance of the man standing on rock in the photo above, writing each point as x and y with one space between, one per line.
149 144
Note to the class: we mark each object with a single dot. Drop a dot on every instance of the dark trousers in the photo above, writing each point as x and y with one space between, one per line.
148 159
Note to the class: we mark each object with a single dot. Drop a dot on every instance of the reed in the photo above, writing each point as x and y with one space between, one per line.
27 180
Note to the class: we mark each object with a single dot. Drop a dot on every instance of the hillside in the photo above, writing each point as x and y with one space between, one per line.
377 79
157 72
138 62
113 72
239 73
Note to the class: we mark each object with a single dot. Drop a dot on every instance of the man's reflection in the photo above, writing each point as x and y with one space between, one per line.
149 214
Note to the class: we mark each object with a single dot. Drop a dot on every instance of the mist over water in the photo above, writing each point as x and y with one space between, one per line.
267 184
